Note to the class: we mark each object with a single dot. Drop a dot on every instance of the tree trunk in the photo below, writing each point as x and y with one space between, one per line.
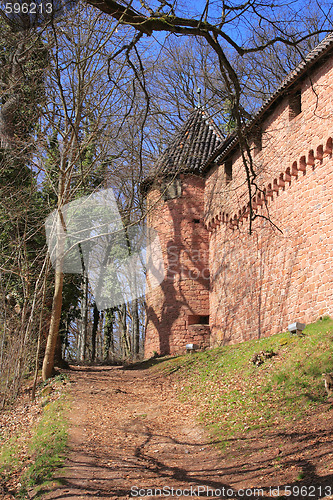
94 333
60 227
124 338
48 362
100 351
10 105
135 329
108 333
58 361
82 340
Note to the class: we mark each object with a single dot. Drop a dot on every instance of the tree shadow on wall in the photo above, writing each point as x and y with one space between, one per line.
181 262
249 284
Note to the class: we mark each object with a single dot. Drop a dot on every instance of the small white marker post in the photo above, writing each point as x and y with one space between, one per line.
296 328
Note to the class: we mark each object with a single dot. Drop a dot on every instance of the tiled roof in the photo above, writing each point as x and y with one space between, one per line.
222 150
191 146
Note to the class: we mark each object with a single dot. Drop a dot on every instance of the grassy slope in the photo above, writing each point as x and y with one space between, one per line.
29 458
235 396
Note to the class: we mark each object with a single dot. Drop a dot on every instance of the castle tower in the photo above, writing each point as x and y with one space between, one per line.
177 311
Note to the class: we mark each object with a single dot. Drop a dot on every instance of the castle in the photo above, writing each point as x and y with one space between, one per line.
223 284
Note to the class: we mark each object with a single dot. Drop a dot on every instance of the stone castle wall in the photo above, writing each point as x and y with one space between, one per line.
177 309
277 275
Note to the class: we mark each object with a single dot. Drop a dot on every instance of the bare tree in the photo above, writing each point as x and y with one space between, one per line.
231 30
23 60
82 103
112 103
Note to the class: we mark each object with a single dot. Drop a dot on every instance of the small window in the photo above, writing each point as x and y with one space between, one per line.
257 140
196 319
228 170
295 104
171 189
196 221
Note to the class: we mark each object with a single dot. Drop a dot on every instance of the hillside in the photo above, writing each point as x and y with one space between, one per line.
269 426
236 389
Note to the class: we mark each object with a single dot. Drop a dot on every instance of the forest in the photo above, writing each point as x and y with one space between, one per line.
90 96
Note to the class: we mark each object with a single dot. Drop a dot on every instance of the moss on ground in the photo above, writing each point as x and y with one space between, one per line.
235 396
29 459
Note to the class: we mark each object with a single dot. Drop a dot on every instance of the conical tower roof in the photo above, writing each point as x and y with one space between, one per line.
191 146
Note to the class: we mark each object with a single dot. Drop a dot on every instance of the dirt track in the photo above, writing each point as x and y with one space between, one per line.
129 432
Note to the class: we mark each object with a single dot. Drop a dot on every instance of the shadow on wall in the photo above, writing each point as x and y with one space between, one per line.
252 284
171 305
184 241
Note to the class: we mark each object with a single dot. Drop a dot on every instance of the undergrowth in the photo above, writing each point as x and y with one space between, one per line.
28 460
234 396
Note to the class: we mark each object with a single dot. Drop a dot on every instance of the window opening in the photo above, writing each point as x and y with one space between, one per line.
171 189
295 104
257 139
196 319
228 170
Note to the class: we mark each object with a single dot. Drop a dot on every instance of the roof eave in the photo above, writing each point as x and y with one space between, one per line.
291 80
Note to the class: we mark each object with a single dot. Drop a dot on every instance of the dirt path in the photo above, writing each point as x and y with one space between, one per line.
129 433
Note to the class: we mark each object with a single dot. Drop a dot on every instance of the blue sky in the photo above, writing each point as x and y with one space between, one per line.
287 14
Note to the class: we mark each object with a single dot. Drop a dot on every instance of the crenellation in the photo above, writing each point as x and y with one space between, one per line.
251 285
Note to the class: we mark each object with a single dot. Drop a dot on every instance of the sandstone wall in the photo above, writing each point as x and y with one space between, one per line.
175 308
260 283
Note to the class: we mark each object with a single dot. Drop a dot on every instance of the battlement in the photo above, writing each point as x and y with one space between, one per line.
255 284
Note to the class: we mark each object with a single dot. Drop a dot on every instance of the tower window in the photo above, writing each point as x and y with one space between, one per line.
228 170
171 189
295 104
196 319
257 140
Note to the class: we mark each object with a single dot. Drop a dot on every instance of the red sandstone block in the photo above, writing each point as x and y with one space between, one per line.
293 207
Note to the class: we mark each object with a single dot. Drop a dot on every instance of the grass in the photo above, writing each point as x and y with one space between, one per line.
47 446
234 396
29 461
